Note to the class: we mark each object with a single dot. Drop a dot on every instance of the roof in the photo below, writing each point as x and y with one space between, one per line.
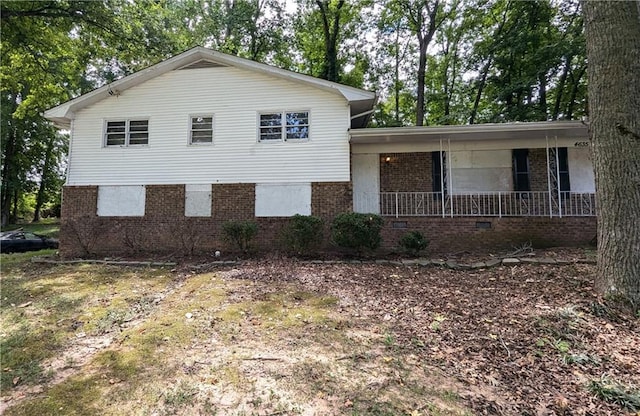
361 101
525 130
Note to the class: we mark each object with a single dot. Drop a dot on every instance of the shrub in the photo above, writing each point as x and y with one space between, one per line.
240 233
413 242
357 231
304 232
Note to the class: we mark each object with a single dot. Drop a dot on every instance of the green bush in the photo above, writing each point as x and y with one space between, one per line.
357 231
303 233
240 233
413 242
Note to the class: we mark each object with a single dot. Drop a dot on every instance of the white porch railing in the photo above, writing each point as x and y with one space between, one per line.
487 204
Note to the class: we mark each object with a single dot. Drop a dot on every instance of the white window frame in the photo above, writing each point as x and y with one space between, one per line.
213 127
283 126
127 132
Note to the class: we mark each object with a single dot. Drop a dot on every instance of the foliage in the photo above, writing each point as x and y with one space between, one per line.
614 392
240 233
413 242
357 231
304 232
454 61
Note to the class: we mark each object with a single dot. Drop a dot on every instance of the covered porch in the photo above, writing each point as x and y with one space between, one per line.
540 169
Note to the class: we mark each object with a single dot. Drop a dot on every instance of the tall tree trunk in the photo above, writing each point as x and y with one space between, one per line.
396 80
9 165
560 87
14 213
481 84
44 179
575 85
487 66
613 54
543 97
424 35
422 70
330 30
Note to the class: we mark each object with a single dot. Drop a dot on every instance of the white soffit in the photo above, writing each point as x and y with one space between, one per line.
503 131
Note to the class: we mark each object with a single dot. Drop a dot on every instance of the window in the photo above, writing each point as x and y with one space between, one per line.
201 130
197 200
285 126
283 200
439 164
521 170
127 133
121 201
563 170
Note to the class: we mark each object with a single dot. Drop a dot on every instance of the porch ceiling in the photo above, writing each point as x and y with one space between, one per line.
504 131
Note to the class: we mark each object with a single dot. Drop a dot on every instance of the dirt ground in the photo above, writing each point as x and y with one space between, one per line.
283 337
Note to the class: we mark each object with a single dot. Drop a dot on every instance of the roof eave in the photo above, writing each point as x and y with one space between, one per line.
66 110
504 131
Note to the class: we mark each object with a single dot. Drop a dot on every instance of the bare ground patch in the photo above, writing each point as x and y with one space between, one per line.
284 337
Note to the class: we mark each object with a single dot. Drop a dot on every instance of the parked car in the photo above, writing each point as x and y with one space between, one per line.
20 241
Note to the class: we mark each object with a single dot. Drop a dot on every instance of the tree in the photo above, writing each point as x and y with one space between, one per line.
424 19
613 53
330 12
328 37
393 59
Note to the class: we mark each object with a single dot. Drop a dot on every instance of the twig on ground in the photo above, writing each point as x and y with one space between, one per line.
504 344
352 356
524 248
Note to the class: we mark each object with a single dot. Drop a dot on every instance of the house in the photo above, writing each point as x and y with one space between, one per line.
160 159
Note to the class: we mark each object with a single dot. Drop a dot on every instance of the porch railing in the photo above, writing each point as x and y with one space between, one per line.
487 204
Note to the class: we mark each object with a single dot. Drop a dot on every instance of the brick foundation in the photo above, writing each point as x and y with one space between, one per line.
448 235
165 230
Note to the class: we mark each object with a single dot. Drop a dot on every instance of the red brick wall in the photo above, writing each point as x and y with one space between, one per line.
331 198
164 201
406 172
79 201
164 228
234 201
538 170
447 235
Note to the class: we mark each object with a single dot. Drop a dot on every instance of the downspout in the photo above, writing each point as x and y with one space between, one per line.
450 177
442 180
362 114
558 180
549 178
66 180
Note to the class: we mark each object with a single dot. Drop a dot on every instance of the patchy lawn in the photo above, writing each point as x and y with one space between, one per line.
287 338
49 227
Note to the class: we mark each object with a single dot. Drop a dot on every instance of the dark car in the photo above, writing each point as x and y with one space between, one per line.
20 241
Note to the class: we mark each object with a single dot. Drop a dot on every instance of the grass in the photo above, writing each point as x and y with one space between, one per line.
613 391
49 227
193 346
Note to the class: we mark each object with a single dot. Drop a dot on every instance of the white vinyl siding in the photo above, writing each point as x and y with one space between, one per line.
283 200
200 129
234 97
121 201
